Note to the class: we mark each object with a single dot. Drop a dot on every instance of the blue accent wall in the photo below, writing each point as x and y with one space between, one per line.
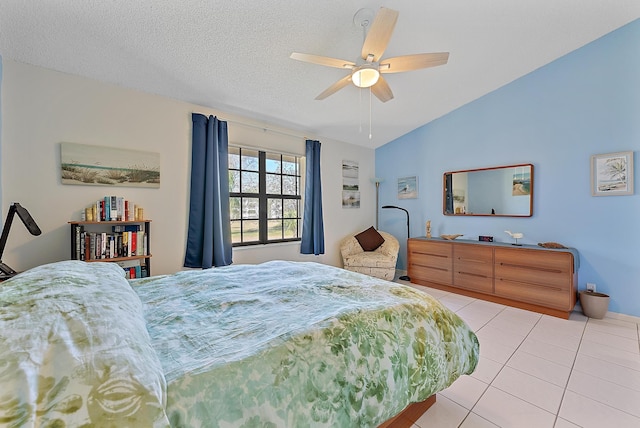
584 103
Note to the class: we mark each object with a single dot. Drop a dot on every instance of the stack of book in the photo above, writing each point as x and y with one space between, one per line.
113 208
133 269
124 241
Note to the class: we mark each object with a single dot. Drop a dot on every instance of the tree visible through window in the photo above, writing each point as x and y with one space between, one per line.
264 197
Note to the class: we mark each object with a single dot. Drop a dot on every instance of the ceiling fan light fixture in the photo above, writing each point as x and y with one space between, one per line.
365 77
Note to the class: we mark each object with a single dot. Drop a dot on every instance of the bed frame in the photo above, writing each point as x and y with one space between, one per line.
410 414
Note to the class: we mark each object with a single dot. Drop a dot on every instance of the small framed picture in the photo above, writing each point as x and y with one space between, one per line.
408 187
612 174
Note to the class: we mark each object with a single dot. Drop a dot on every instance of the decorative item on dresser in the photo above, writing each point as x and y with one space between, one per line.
528 277
515 235
451 237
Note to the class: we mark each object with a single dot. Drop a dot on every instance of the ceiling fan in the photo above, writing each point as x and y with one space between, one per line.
367 71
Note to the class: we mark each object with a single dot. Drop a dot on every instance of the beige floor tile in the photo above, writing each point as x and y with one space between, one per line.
602 369
553 353
539 367
530 389
465 391
588 413
606 392
444 413
475 421
506 410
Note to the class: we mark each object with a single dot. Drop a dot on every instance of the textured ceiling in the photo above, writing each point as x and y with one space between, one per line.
233 55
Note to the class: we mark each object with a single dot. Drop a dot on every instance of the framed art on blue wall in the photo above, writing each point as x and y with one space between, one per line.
408 187
612 174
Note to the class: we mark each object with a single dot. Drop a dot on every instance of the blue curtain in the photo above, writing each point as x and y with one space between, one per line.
209 235
312 226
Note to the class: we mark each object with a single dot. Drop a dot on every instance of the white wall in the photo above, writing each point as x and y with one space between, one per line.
41 108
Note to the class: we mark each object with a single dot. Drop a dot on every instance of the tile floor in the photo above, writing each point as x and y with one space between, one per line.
540 371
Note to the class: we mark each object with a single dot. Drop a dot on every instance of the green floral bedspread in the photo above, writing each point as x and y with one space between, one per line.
286 344
75 352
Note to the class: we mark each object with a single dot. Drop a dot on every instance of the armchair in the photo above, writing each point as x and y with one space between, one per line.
380 263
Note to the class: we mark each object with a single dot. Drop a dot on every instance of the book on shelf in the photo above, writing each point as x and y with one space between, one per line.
104 245
113 208
126 228
133 268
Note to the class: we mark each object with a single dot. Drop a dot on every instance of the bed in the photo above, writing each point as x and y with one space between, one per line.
270 345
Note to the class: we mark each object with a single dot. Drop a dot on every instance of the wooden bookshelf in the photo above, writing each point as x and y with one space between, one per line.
81 229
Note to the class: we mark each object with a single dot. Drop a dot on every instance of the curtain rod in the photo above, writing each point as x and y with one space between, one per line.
265 129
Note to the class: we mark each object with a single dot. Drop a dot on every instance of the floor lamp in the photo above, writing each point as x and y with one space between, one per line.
404 277
377 182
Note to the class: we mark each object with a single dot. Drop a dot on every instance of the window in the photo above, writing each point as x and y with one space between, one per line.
264 197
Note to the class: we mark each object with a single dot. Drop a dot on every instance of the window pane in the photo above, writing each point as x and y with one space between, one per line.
291 228
289 165
234 208
234 181
273 184
290 208
250 208
249 160
261 184
250 182
250 231
234 157
235 232
273 162
274 208
275 229
289 185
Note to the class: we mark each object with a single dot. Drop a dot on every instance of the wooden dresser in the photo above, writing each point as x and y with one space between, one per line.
527 277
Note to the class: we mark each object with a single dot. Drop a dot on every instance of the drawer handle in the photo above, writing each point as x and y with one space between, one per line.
531 268
429 267
429 254
530 284
473 260
473 274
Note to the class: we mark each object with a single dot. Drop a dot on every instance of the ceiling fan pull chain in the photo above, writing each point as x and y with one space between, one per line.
369 112
360 108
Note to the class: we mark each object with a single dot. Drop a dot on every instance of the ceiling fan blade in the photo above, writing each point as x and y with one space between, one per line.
413 62
322 60
382 90
380 33
335 87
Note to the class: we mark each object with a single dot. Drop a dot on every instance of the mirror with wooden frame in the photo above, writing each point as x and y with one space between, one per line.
503 191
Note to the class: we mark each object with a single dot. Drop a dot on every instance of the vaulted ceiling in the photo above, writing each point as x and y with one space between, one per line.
233 55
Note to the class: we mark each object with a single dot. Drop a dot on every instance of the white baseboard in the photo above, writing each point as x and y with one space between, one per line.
622 317
613 315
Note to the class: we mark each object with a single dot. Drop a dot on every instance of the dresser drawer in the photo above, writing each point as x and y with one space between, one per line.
538 294
473 267
430 274
534 267
430 248
430 261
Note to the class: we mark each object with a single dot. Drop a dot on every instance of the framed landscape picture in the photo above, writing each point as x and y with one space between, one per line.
612 174
108 166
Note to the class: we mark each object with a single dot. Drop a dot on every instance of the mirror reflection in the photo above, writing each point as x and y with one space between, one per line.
500 191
